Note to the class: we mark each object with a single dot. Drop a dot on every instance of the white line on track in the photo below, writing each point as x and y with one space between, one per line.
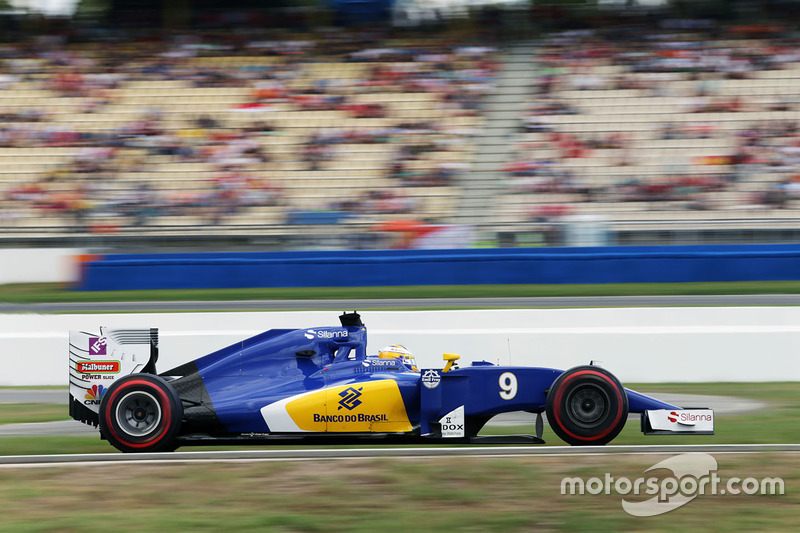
393 452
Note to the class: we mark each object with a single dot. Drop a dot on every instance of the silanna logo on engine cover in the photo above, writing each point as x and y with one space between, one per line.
325 334
350 398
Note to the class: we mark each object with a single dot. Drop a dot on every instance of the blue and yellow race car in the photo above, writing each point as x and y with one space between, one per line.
319 385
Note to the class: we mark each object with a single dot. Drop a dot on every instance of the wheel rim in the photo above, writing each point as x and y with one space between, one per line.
138 413
588 405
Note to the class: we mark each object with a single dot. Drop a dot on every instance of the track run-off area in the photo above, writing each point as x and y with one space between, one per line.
388 452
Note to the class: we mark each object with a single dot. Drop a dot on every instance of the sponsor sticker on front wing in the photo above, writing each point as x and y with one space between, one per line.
681 420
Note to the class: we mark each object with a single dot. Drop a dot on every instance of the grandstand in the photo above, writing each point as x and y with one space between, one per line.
681 131
255 138
297 138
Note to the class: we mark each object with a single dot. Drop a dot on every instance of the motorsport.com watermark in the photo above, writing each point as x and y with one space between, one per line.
693 474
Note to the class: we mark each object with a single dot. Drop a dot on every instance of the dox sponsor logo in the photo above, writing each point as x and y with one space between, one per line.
452 424
350 398
449 425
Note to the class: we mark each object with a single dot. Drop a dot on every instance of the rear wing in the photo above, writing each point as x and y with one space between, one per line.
97 360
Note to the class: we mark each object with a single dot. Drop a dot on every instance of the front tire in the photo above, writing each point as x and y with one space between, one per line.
587 405
141 413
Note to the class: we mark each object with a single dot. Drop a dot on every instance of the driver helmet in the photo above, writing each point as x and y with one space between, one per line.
398 351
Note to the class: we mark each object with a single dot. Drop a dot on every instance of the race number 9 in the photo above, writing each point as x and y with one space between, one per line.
508 385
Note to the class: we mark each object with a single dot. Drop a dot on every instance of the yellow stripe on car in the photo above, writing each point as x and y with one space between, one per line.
373 406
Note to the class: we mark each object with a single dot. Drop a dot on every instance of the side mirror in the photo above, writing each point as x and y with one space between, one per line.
451 358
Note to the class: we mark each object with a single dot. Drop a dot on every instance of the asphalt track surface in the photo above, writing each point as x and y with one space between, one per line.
387 452
733 300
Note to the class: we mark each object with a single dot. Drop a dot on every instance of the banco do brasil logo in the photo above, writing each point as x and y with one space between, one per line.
350 398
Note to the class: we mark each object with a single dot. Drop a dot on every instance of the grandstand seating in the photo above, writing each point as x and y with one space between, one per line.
700 149
383 138
352 167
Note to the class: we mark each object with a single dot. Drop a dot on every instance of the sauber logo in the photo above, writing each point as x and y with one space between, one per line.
350 398
688 419
97 367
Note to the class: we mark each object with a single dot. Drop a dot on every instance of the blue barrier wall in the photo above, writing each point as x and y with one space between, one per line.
442 267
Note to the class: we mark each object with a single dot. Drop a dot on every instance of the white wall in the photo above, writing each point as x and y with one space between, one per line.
38 265
638 344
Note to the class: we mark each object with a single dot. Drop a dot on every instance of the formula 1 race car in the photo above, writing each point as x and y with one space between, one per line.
318 385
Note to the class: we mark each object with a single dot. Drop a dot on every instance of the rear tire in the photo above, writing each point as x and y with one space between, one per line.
141 413
587 405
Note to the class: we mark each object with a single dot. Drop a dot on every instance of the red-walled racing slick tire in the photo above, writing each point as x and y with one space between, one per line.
141 413
587 405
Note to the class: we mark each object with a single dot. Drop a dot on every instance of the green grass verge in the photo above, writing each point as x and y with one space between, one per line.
389 495
52 445
52 292
19 413
35 387
442 494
